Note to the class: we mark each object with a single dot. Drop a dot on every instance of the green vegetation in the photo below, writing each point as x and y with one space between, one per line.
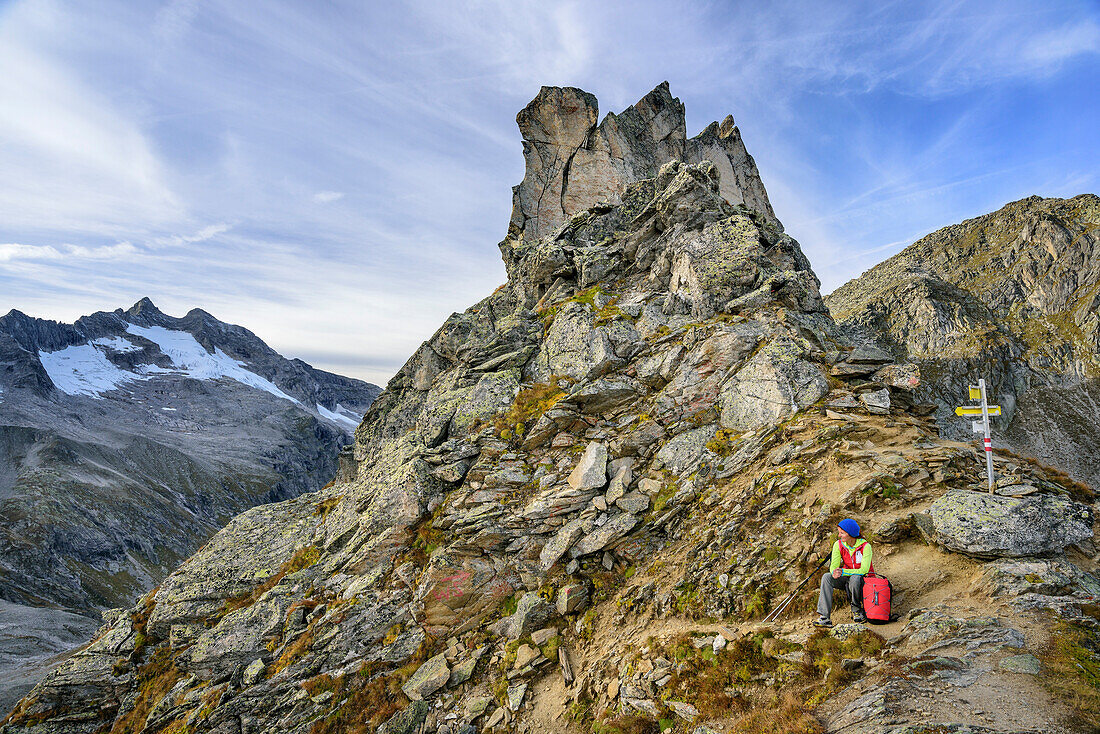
529 405
723 442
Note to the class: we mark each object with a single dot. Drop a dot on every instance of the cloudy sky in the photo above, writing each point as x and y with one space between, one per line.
335 175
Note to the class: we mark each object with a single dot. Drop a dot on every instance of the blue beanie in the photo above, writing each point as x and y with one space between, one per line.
849 526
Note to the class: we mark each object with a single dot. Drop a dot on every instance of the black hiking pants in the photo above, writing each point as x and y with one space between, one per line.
854 586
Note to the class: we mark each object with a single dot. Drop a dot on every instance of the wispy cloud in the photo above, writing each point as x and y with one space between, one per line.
335 176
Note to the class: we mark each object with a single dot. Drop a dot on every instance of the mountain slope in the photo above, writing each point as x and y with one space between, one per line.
573 504
1013 297
128 438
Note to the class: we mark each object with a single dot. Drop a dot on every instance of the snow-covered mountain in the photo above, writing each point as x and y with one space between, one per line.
129 437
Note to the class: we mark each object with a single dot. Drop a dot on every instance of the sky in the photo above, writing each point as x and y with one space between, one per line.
335 176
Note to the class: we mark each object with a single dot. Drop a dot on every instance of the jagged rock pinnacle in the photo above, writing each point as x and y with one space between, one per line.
573 163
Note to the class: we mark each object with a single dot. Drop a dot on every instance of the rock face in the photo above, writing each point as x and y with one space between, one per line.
616 431
573 163
1012 297
988 526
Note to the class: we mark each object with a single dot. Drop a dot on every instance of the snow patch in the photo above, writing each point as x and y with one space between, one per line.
117 343
191 359
84 370
341 417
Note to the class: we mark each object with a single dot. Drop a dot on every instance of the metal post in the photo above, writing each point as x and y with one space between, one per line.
987 442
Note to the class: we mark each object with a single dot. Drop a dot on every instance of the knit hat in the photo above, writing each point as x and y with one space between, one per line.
849 526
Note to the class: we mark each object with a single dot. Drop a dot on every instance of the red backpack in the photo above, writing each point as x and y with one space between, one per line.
876 598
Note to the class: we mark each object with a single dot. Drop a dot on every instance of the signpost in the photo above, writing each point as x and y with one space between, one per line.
977 392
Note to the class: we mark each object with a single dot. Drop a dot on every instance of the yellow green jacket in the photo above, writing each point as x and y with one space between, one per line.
865 563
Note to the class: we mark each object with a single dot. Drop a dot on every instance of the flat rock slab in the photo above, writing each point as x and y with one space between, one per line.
1028 664
428 678
601 537
591 470
989 526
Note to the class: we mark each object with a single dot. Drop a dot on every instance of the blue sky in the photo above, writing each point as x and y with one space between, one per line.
335 175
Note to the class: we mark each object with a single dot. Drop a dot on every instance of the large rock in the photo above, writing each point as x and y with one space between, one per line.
532 613
557 546
457 591
573 163
776 383
990 526
428 678
591 470
605 535
681 453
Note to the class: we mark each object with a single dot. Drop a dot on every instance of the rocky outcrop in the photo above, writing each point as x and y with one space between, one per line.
573 163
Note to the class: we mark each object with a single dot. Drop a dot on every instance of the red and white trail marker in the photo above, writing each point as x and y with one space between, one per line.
985 410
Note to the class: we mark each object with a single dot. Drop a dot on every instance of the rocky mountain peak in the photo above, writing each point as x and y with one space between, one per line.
144 312
573 163
571 507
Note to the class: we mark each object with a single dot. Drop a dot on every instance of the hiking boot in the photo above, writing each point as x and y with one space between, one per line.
859 618
823 622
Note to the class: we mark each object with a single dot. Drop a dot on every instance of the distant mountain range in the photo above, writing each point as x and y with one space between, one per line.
129 437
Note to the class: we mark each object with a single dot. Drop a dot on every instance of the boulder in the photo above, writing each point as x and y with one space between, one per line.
572 598
532 613
1026 663
591 470
868 354
604 394
456 591
876 401
633 502
428 678
989 526
605 535
682 453
557 546
620 481
776 383
408 720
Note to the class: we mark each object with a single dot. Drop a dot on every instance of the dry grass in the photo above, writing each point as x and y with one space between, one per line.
529 404
154 680
369 702
293 652
302 558
1071 669
787 714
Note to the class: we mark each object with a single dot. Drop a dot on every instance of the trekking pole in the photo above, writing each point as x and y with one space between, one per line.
774 614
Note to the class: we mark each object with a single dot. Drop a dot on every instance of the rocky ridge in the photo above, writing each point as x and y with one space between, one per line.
572 502
1010 296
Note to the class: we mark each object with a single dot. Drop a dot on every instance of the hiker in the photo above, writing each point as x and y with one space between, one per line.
851 561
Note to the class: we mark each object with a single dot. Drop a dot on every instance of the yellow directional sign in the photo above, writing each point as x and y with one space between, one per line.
977 410
975 393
